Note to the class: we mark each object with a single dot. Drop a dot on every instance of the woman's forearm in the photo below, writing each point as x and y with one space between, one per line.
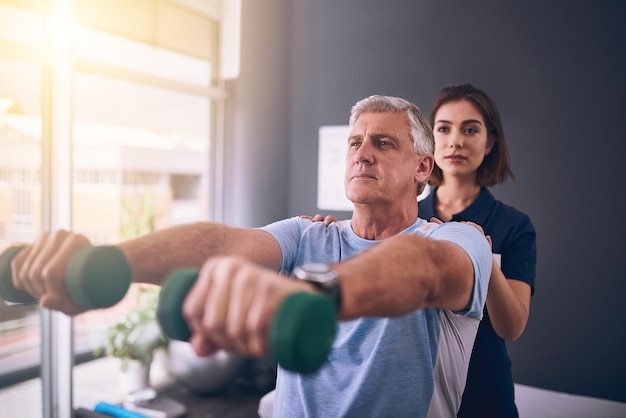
508 303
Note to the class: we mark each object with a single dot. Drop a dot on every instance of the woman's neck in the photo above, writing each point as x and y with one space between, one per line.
454 197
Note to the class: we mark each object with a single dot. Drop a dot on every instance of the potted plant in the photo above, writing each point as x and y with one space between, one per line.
135 337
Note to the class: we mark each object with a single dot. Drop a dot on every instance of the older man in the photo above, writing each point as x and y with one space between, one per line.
412 292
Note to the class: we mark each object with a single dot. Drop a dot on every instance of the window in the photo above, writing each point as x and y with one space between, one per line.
138 91
20 201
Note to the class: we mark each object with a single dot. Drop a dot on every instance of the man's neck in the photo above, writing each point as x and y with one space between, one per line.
382 222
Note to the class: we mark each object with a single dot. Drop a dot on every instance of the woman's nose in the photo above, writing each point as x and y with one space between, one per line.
456 140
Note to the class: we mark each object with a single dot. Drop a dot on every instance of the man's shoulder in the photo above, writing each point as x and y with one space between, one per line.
422 227
447 229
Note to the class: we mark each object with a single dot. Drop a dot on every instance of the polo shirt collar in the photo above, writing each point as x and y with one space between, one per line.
478 212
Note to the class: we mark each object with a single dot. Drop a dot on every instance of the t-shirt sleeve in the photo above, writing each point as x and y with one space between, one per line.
478 250
288 233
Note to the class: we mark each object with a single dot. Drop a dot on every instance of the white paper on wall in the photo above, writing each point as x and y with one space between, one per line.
331 163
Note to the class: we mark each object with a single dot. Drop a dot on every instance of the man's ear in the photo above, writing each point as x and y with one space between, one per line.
424 168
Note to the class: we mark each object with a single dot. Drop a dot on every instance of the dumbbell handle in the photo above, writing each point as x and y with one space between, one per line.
96 277
301 334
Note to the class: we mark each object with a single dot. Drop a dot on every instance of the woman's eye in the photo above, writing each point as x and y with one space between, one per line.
442 129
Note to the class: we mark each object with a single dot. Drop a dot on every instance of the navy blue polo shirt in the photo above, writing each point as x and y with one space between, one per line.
489 391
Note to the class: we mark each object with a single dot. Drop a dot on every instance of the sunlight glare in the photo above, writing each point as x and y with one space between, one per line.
62 25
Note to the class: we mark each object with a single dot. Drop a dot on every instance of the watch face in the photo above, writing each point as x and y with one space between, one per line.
323 278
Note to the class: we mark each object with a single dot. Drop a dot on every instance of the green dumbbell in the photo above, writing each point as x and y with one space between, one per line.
97 277
301 334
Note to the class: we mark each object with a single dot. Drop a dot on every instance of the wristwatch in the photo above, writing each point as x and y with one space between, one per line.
323 279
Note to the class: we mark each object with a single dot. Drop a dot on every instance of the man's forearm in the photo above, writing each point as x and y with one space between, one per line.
403 274
153 256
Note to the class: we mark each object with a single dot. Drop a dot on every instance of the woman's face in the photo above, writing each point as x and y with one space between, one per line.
461 141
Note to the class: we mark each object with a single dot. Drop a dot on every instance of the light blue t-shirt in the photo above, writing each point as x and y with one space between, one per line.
414 365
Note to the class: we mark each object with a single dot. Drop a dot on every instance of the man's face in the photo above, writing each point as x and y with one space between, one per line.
381 164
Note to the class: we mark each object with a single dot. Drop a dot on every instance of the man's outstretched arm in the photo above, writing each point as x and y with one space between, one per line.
41 268
154 256
409 272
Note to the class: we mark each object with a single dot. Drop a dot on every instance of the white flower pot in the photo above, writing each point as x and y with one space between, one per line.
136 376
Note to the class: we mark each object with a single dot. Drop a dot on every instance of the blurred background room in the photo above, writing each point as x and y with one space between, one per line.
118 117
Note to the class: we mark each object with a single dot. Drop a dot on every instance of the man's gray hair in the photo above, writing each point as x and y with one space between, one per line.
420 130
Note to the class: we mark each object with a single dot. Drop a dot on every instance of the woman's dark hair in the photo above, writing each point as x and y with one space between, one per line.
495 168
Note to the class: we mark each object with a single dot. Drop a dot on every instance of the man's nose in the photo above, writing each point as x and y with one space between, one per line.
364 154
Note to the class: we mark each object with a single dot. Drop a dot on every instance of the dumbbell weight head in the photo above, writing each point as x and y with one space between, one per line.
301 334
303 331
169 308
7 291
97 277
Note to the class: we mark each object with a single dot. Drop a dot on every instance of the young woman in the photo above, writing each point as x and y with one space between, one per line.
471 155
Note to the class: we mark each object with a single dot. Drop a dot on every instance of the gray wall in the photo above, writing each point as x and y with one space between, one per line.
556 71
256 181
